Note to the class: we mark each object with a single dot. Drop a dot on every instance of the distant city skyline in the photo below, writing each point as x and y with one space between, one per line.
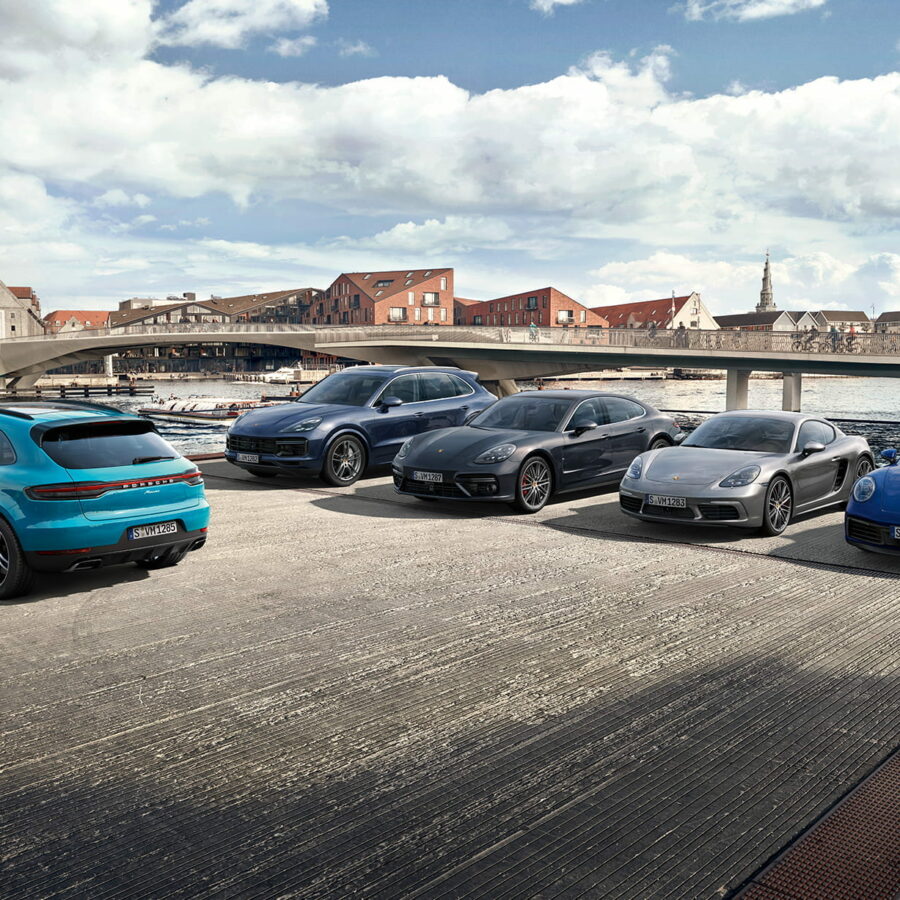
616 150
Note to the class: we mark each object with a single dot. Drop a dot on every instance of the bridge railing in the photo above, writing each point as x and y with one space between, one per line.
881 344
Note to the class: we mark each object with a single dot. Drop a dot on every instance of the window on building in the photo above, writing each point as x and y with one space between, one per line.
531 303
427 273
443 284
431 298
430 314
385 282
443 314
367 276
409 281
583 315
517 319
476 320
417 314
378 293
544 302
409 274
411 297
565 317
397 314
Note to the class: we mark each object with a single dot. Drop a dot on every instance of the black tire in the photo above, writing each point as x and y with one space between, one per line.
659 442
534 485
165 560
262 473
864 465
778 507
345 461
16 576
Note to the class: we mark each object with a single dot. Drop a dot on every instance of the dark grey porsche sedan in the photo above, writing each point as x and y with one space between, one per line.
531 445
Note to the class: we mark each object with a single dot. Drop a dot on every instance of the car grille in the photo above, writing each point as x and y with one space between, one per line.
861 530
632 504
277 446
429 488
669 512
719 512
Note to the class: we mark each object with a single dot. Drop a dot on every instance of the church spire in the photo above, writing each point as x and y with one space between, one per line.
766 296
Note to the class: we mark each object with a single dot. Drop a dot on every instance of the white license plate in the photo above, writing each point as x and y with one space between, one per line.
895 532
248 457
145 531
427 476
656 500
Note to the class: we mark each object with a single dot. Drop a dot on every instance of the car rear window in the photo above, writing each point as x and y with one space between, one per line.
99 445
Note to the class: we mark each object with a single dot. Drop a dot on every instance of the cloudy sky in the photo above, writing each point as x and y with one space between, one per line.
616 149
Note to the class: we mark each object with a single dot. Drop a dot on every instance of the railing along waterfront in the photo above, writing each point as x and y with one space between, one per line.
724 340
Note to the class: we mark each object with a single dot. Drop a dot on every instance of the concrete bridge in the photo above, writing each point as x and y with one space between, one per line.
499 355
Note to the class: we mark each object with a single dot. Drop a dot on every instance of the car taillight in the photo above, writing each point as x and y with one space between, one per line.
91 490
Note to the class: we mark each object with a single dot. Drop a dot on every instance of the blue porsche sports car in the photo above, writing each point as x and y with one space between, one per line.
353 419
84 485
872 520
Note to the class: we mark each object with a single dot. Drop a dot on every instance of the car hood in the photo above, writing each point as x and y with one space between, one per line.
888 486
449 447
698 465
273 419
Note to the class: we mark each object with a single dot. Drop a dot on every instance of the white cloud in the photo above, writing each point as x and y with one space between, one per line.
355 48
746 10
118 197
293 47
455 233
548 6
814 280
229 23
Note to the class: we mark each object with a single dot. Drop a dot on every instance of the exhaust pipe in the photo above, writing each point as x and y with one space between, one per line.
83 564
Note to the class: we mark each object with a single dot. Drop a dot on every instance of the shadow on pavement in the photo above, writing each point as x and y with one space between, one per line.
49 586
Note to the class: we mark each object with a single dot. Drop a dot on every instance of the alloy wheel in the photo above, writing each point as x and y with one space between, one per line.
535 483
863 467
779 505
659 443
4 559
346 459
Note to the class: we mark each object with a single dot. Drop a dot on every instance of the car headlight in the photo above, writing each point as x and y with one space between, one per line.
403 452
496 454
305 425
636 467
864 489
742 477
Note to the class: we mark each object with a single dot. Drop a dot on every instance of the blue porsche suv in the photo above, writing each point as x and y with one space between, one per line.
84 485
353 419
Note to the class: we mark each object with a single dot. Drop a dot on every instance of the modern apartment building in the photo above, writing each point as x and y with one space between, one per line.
545 307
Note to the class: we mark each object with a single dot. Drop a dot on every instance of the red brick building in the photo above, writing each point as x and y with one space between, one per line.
545 307
75 320
405 297
668 312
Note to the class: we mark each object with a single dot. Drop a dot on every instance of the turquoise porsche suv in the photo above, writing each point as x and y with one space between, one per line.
84 485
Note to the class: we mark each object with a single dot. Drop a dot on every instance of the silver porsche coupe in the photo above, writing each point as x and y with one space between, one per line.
750 468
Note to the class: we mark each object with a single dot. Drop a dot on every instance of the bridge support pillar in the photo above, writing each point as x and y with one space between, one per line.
502 387
791 387
736 388
23 382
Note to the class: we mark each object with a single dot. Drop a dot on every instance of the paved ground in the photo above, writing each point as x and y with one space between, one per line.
350 694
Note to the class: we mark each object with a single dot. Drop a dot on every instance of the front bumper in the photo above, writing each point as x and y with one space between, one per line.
742 507
123 551
876 536
282 453
494 484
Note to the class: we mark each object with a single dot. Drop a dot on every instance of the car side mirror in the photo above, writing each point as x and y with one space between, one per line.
679 437
812 447
388 402
581 429
890 455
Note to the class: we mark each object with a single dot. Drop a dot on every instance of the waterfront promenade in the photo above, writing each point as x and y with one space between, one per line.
347 693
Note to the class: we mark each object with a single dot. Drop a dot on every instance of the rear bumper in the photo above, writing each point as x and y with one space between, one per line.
123 551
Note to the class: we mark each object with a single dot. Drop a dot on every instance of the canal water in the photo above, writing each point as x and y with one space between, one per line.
869 399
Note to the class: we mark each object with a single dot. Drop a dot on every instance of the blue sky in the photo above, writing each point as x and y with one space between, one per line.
613 148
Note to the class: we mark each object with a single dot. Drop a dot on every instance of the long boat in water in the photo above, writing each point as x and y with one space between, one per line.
213 412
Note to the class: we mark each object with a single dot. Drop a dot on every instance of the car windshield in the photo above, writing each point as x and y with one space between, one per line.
345 388
757 433
98 445
524 414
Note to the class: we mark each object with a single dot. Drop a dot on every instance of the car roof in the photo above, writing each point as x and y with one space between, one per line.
572 395
390 370
771 414
53 411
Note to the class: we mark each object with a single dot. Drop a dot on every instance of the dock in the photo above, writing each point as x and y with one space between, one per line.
349 693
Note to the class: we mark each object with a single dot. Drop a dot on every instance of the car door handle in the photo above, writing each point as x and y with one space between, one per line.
464 408
639 430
